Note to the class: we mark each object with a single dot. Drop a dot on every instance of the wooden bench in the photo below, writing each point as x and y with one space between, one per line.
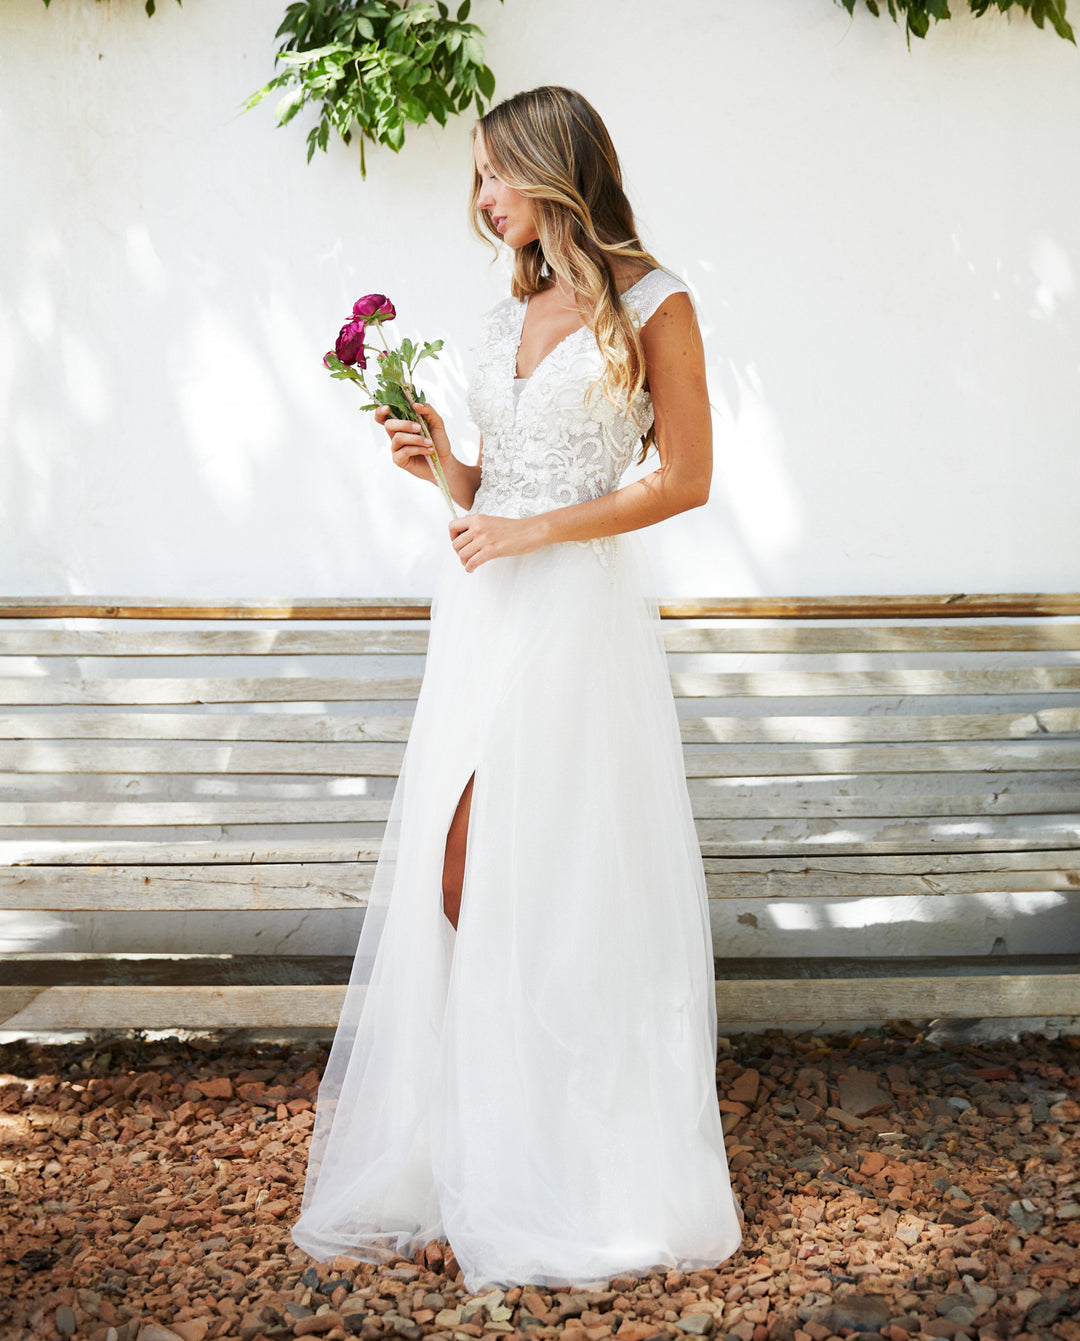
836 748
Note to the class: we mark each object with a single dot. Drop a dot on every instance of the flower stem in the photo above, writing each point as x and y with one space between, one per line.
433 459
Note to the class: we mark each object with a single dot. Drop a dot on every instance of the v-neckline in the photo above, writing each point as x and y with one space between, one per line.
558 343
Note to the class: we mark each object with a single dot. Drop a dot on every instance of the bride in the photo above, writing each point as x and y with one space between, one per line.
524 1065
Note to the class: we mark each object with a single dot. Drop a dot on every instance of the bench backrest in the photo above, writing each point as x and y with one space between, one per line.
833 746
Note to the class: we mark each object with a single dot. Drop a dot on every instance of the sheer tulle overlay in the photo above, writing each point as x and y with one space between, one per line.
538 1087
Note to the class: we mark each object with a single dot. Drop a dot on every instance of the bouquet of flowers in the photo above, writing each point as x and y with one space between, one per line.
393 375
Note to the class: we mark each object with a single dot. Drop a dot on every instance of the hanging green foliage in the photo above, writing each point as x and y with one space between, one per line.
918 14
150 6
372 67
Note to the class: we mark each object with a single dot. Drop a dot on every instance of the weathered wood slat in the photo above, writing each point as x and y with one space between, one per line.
159 607
68 642
182 814
997 833
828 728
40 690
281 806
899 638
346 728
53 689
741 1001
769 760
320 885
956 605
897 682
718 837
368 760
341 728
216 811
247 642
333 760
1021 605
29 853
810 881
990 997
267 888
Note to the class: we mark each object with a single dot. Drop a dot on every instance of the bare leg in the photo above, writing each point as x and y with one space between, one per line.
454 859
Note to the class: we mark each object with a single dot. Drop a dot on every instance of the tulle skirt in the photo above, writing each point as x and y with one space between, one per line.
538 1087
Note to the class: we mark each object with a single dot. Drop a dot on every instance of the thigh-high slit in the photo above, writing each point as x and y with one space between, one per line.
453 878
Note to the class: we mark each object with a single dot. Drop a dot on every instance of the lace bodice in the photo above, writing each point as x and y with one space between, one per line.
549 443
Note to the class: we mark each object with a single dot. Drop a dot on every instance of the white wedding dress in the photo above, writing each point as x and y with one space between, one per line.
538 1087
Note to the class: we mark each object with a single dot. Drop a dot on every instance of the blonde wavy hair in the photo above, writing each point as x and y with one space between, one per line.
551 145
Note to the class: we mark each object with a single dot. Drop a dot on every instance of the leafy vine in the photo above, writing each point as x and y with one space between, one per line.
371 68
918 14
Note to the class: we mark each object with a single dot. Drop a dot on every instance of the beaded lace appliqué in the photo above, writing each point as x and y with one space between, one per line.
560 443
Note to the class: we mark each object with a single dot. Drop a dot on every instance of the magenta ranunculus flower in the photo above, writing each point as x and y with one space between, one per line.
374 305
392 373
350 344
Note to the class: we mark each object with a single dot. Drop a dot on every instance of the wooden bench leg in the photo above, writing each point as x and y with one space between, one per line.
454 859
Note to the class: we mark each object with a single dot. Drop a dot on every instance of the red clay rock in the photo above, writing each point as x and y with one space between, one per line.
744 1090
319 1322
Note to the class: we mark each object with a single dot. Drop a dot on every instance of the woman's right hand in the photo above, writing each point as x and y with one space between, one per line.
408 446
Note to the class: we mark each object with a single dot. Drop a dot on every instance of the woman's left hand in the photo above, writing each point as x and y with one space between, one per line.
478 538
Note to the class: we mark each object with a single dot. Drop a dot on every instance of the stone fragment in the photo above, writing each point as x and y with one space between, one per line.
744 1089
1028 1220
812 1162
250 1326
637 1331
219 1087
696 1324
154 1331
191 1329
532 1301
572 1307
65 1320
317 1324
861 1096
1047 1311
847 1120
860 1312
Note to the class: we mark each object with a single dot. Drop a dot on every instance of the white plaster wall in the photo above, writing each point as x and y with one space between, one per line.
883 243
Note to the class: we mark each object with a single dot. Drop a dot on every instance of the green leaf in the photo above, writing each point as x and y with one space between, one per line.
375 66
288 107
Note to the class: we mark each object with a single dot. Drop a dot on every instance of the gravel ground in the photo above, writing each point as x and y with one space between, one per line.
892 1187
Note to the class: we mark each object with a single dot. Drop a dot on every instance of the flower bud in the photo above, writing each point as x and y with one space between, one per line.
374 305
350 344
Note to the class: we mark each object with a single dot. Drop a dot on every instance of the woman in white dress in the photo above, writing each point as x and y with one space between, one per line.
524 1065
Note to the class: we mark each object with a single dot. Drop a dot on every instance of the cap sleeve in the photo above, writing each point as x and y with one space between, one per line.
649 292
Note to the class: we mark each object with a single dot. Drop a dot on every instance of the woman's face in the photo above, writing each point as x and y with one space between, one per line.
510 211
